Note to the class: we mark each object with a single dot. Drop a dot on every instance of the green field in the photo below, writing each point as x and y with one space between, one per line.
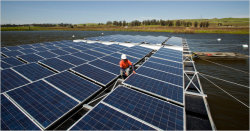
227 25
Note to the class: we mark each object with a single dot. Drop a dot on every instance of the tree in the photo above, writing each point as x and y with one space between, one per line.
195 24
109 23
178 23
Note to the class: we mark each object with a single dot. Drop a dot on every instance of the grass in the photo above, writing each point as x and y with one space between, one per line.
239 26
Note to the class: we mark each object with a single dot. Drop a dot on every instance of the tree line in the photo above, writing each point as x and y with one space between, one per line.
169 23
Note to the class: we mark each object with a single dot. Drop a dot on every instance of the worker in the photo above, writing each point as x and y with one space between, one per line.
125 65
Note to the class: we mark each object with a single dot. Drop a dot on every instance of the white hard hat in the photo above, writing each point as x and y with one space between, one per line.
123 56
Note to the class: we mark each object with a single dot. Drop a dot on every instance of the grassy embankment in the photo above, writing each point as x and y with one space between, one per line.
230 26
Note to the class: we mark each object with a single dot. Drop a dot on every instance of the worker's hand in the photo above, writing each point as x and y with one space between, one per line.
126 74
134 72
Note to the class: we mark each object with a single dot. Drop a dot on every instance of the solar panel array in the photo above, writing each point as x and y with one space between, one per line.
47 80
132 38
136 103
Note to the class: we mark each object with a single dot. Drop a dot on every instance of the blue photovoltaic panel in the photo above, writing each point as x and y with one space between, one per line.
10 80
166 62
166 77
71 50
132 54
13 119
12 61
26 46
175 41
161 114
12 48
77 87
170 57
84 56
12 53
106 66
31 57
94 53
57 64
103 50
59 52
103 117
72 59
94 73
111 59
3 49
80 48
174 54
46 54
156 87
41 49
61 45
28 51
118 56
37 45
33 71
164 68
167 50
112 48
118 46
142 48
42 101
5 65
138 51
51 47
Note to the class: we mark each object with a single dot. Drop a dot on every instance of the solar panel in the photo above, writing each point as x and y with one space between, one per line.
178 59
31 57
59 52
43 102
141 48
12 53
138 51
61 45
72 84
56 64
10 79
112 48
51 47
117 46
103 117
71 50
167 50
12 61
3 49
46 54
111 59
166 62
5 65
26 46
33 71
132 54
167 53
28 51
102 50
152 86
72 59
164 68
80 48
84 56
161 114
37 45
13 119
100 76
94 53
115 69
13 48
175 41
166 77
41 49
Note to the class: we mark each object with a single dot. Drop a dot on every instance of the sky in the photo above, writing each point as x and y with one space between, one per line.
78 12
